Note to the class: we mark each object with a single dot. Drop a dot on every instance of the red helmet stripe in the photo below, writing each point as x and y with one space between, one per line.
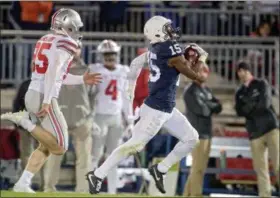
110 45
54 15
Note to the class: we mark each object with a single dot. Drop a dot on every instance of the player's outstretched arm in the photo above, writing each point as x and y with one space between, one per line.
184 67
135 69
127 108
88 78
73 79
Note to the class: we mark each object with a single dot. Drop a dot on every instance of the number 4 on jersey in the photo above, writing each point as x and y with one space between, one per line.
111 90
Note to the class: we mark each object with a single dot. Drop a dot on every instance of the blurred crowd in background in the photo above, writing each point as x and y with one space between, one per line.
37 15
218 18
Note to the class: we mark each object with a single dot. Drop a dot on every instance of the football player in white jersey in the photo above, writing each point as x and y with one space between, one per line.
51 59
110 105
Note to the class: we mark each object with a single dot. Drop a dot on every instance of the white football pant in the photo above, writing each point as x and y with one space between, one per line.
108 137
150 122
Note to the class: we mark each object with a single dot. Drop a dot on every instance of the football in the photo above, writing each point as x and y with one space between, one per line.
191 55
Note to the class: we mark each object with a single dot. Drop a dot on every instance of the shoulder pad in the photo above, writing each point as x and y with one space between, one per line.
125 68
48 38
67 44
170 49
122 68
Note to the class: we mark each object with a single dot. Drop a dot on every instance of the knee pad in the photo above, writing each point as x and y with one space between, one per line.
139 147
193 141
130 148
191 135
194 135
190 143
196 138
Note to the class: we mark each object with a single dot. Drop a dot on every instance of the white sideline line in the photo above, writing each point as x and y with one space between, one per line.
229 195
237 148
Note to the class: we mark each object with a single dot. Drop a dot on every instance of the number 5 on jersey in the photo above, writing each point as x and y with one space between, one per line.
155 71
40 60
111 90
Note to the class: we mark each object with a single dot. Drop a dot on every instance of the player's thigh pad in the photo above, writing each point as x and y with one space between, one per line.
151 120
55 123
147 127
33 101
179 126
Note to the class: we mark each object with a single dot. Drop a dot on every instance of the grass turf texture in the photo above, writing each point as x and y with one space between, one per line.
62 194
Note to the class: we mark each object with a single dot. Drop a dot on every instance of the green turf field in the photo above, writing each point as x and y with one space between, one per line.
61 194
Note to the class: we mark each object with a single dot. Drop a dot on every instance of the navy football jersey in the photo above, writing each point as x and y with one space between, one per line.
163 79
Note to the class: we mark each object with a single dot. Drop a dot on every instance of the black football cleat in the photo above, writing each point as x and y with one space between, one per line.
158 177
93 182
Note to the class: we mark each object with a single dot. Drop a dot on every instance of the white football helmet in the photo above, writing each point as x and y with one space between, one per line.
159 29
108 52
67 22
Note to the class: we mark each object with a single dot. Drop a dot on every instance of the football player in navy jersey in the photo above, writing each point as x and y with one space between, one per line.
166 61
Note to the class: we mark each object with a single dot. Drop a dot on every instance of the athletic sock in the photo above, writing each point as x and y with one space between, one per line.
109 163
25 178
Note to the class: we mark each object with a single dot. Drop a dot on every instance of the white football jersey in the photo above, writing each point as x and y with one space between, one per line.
109 94
45 58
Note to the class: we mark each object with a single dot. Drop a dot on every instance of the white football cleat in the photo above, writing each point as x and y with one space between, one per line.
23 188
15 117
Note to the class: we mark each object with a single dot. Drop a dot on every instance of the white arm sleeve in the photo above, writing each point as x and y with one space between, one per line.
73 79
127 105
51 74
135 69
